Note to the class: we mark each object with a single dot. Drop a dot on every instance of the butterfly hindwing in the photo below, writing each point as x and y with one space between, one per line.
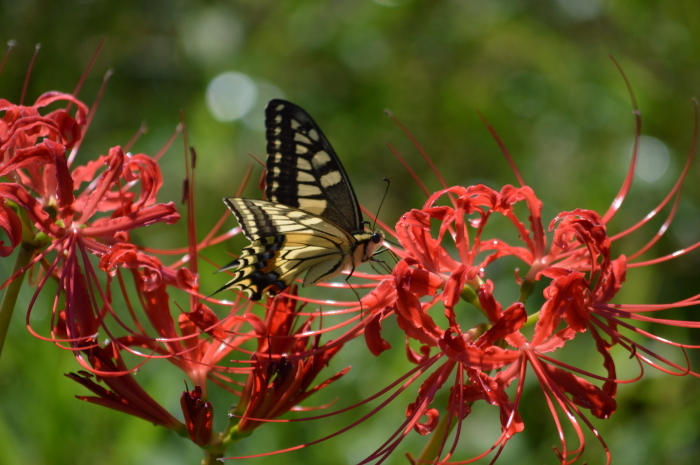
285 242
303 170
261 218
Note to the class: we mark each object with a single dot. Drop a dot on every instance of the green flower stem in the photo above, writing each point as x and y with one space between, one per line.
232 435
223 441
212 458
532 319
526 290
9 299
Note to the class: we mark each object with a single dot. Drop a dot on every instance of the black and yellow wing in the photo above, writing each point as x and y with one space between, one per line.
303 170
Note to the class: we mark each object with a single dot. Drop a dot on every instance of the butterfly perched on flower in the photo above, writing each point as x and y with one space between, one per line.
310 223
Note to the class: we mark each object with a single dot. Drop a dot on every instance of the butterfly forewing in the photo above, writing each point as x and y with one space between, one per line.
303 171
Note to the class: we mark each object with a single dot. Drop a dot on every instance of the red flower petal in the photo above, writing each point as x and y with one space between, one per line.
584 394
12 225
199 416
512 320
471 356
566 299
39 217
206 320
375 343
159 213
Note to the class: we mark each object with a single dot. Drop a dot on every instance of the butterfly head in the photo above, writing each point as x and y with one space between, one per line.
372 241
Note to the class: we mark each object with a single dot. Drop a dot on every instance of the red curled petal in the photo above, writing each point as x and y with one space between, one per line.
144 169
52 153
104 183
64 181
47 98
206 320
611 280
421 282
87 172
160 213
415 218
488 302
29 156
71 130
186 281
428 426
373 338
471 356
583 393
37 215
381 297
128 256
566 299
410 314
603 347
12 225
452 293
512 320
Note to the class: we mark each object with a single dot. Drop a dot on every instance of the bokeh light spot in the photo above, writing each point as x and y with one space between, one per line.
230 96
654 158
390 2
580 10
255 118
211 35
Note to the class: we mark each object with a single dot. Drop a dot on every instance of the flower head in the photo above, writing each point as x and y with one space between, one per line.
446 262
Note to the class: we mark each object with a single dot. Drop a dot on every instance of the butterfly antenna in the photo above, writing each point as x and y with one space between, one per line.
388 183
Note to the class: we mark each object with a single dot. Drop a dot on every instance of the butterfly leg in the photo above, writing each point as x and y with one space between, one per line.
385 267
347 281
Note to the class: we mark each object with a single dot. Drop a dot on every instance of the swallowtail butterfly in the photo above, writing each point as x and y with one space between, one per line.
310 223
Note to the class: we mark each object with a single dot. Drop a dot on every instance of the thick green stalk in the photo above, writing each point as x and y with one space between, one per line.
212 458
12 291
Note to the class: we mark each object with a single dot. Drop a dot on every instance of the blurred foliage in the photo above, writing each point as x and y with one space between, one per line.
538 71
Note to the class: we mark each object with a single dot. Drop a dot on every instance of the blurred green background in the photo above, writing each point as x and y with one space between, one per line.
538 70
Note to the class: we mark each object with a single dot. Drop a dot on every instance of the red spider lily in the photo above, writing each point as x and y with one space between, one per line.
63 215
75 222
80 228
584 276
32 152
286 363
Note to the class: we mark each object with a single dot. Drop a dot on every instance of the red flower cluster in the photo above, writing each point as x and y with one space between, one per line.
73 224
444 270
